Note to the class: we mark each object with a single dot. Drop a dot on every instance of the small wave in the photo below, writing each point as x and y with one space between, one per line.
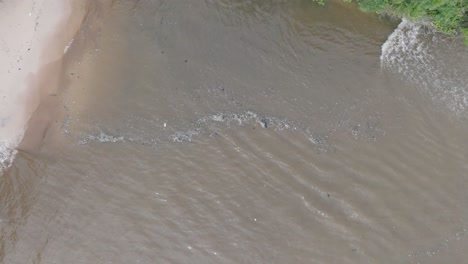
8 151
7 155
216 124
432 61
208 124
103 138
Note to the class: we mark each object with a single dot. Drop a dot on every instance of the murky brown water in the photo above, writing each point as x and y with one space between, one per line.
224 131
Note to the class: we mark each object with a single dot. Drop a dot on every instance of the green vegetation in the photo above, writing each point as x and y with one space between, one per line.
449 16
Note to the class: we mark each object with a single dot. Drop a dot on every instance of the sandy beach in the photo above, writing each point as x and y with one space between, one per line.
35 36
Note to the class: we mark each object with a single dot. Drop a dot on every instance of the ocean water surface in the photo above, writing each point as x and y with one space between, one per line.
224 131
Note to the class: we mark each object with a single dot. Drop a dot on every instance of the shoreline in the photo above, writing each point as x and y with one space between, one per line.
35 37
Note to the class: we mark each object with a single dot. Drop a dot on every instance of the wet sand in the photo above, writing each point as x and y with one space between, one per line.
35 37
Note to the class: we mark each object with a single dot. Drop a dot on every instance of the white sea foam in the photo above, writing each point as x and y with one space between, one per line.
208 124
102 137
434 62
218 123
7 155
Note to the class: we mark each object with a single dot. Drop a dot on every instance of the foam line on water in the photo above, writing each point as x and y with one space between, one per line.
217 123
103 137
7 155
204 125
8 152
434 62
229 119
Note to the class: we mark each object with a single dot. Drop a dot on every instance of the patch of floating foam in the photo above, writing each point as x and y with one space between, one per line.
8 151
249 118
103 138
208 123
434 62
7 155
215 124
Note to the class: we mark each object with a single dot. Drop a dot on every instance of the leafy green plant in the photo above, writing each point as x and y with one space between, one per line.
449 16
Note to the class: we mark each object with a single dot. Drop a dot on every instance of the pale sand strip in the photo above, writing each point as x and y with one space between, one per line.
34 35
